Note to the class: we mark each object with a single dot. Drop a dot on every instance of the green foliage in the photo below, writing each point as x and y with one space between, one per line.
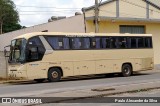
11 27
9 16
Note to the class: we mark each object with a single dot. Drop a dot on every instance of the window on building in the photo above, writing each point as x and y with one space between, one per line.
132 29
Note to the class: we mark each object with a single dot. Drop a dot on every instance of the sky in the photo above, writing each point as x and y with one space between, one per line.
34 12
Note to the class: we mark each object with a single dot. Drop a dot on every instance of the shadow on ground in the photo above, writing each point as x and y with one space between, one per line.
78 78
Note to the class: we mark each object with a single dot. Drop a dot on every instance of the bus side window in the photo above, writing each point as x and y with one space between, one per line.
96 43
53 41
123 42
58 43
106 42
66 45
33 43
86 43
76 43
133 42
148 42
140 42
114 42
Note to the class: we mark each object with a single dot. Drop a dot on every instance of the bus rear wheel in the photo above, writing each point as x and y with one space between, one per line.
126 70
54 75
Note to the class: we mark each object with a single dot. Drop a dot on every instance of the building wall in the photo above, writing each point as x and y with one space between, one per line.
113 27
71 24
104 10
154 13
127 9
132 8
2 65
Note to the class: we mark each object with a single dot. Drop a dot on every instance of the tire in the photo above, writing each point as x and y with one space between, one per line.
54 75
39 80
126 70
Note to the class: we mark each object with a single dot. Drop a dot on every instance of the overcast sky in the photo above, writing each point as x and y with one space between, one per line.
36 13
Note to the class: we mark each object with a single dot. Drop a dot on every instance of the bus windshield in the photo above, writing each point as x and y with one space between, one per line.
17 51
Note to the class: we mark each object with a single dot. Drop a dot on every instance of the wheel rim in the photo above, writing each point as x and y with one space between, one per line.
54 74
127 70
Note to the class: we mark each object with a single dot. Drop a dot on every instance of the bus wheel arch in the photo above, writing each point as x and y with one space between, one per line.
55 74
127 69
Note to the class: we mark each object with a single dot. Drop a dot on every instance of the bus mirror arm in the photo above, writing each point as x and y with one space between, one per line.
5 51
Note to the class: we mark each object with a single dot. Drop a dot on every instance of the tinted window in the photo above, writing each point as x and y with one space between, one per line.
133 43
86 43
106 42
35 42
123 42
96 43
76 43
58 43
140 42
114 42
148 42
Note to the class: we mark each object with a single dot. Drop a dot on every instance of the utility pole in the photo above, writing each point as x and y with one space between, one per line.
96 16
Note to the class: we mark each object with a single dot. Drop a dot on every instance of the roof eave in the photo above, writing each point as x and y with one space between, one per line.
125 19
154 5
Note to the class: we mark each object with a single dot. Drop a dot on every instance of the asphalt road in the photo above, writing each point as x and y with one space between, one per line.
32 88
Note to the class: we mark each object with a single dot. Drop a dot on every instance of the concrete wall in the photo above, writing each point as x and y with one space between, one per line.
2 66
127 9
71 24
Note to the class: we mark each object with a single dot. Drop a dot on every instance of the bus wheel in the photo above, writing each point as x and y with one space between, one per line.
126 70
54 75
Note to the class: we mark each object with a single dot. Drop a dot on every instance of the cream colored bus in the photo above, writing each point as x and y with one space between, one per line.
52 56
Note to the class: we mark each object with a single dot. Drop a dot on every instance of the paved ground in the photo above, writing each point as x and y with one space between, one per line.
86 86
153 93
31 88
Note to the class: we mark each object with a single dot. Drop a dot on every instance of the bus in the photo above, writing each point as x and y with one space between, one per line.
54 55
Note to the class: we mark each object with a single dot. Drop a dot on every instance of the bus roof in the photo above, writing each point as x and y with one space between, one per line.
29 35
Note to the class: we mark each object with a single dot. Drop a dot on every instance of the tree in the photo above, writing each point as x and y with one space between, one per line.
8 27
8 14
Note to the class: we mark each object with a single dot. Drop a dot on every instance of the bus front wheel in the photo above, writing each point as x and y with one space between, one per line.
126 70
54 75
